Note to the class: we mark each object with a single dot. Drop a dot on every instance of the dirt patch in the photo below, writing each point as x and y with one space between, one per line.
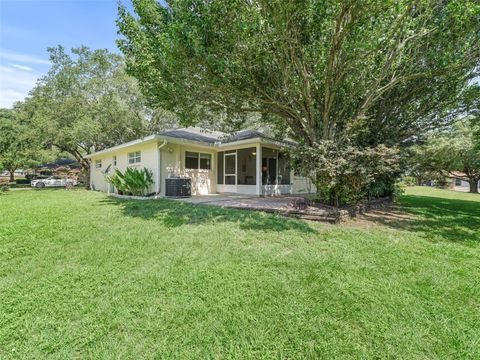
392 216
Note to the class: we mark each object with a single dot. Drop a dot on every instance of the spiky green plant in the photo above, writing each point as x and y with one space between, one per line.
132 181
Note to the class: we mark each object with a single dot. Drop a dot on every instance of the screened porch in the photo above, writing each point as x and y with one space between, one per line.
257 170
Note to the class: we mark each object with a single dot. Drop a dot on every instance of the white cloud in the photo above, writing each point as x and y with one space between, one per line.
22 67
21 58
15 84
18 75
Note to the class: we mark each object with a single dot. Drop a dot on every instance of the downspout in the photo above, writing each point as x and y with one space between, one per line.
165 142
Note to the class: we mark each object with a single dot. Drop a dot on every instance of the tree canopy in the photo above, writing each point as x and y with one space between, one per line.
329 73
87 102
453 153
19 147
380 69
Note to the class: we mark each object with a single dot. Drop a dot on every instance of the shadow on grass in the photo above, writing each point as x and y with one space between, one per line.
176 213
450 219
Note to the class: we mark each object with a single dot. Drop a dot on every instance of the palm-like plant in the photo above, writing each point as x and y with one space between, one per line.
132 181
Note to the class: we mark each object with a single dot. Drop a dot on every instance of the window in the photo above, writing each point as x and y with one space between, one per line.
246 166
205 161
458 182
134 157
220 167
98 164
195 161
191 160
114 161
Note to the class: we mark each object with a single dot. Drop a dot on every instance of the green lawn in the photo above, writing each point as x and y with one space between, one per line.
87 276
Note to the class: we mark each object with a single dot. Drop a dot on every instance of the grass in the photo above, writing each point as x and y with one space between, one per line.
87 276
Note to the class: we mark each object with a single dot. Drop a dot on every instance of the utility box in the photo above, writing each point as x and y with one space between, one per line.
178 187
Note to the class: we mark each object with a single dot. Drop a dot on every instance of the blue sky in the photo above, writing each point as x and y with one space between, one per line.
29 27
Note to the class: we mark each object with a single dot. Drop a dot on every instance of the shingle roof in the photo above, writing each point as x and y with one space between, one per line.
190 135
217 137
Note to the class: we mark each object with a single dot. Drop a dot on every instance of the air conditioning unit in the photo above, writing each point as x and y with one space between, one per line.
178 187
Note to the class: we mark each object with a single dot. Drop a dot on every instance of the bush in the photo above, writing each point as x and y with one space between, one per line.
132 181
4 184
344 174
409 181
22 181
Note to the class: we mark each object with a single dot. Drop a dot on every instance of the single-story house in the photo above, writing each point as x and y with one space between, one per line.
247 162
458 181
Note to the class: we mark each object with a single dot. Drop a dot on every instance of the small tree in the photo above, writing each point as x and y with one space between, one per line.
454 153
86 103
18 148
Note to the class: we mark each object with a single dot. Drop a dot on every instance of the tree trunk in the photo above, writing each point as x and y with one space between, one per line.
12 175
473 185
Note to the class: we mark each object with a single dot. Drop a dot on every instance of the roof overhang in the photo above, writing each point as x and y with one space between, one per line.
175 140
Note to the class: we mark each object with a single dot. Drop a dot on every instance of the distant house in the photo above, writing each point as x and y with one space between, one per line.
457 181
248 162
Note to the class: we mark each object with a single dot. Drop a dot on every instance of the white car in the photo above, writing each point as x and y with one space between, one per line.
52 181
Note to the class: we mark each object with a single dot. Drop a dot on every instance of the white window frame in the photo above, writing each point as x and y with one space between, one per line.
98 164
134 158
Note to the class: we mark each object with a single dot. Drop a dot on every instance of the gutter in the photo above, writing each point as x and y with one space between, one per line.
159 147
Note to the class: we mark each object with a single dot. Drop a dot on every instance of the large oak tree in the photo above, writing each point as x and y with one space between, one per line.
357 72
86 102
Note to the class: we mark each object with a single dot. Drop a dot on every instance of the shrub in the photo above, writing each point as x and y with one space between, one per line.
132 181
344 174
4 184
409 181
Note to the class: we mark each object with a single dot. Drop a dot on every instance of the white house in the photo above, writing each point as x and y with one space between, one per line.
248 162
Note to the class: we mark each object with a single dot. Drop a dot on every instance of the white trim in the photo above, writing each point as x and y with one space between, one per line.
135 156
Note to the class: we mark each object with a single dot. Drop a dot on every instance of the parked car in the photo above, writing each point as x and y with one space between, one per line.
36 176
52 181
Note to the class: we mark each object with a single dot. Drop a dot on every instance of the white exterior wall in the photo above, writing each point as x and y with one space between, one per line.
172 160
464 186
149 160
169 160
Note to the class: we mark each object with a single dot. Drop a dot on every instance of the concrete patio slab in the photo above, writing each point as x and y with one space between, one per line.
288 205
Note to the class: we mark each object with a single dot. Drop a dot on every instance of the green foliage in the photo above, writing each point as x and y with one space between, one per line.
19 146
132 181
409 180
87 102
345 174
453 152
367 73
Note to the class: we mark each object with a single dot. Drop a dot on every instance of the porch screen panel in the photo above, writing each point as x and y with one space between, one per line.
284 169
220 168
246 166
230 167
